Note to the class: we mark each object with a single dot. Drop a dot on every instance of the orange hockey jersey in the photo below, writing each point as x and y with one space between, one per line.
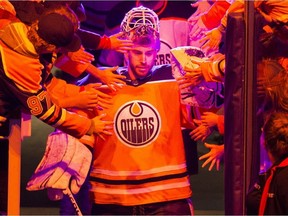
21 83
144 160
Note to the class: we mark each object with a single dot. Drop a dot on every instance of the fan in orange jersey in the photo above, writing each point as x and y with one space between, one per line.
21 83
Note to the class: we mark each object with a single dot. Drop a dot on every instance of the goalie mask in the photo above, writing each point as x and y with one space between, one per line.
141 22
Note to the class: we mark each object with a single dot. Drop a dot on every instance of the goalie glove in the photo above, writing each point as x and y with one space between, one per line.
65 159
200 93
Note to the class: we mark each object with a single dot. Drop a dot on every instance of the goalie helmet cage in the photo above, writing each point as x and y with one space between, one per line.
241 136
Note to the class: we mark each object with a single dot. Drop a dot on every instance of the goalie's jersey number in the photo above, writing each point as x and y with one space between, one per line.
137 123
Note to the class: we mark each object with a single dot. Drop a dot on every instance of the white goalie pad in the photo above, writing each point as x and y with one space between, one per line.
66 163
203 95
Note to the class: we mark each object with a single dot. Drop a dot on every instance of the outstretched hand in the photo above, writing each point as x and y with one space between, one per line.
104 100
191 79
102 127
198 30
214 156
209 119
85 100
112 80
202 7
118 44
90 98
201 132
81 56
193 75
211 40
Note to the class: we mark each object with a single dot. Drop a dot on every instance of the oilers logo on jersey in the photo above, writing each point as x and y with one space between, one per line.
137 123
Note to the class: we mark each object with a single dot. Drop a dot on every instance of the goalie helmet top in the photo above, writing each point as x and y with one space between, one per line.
140 21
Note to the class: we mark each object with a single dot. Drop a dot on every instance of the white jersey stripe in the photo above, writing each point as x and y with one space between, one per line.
140 190
138 172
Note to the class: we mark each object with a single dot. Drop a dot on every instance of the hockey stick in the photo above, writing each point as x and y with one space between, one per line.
68 192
